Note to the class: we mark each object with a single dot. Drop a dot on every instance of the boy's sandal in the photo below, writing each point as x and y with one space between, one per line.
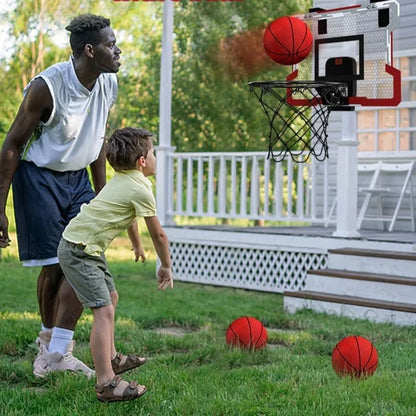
110 392
121 363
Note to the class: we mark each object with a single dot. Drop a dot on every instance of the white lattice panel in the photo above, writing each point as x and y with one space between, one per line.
245 268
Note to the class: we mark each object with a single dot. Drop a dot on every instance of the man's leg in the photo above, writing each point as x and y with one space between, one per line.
49 281
60 309
68 308
59 306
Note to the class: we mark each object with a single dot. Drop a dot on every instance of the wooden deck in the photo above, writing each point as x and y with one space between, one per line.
315 231
274 259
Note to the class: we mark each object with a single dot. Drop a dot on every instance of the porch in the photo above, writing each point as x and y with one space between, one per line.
272 259
294 201
308 209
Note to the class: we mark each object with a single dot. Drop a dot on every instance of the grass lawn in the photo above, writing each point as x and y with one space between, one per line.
190 370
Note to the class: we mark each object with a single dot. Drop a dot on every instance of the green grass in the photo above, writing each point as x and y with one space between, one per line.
196 373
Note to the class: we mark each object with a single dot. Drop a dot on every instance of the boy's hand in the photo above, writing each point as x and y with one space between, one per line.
165 278
139 254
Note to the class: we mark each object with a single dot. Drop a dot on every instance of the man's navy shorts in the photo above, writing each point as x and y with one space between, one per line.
44 203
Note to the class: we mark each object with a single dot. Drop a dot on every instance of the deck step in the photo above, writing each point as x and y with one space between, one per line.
353 300
361 284
373 261
373 277
351 306
400 255
368 285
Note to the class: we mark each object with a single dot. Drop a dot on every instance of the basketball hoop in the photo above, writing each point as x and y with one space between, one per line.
298 113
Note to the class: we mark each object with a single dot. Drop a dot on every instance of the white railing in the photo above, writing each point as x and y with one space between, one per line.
247 185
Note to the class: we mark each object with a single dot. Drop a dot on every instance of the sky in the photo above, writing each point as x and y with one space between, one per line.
60 39
4 7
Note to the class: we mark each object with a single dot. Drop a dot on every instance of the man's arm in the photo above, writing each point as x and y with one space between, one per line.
36 106
98 168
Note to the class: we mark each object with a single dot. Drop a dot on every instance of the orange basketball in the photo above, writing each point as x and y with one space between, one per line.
287 40
355 357
247 333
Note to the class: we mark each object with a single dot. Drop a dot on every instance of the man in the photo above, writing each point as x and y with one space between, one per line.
58 131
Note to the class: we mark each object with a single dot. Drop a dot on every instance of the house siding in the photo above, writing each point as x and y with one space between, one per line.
404 45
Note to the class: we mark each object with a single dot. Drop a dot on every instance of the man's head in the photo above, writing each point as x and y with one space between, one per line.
85 29
128 145
92 35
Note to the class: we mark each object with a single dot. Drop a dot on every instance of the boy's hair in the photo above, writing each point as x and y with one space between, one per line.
125 146
85 29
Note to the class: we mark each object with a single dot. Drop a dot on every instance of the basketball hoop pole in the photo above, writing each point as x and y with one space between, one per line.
165 100
347 178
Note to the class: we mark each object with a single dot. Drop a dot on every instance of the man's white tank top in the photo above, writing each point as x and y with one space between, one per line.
73 136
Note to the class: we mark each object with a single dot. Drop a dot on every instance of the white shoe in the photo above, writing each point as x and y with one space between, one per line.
47 362
42 341
44 338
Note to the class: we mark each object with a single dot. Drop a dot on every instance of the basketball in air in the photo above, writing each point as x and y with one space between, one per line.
246 333
287 40
354 357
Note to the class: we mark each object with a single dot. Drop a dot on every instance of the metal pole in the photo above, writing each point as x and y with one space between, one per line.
347 178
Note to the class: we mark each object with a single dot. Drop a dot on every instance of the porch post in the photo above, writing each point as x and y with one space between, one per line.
165 102
347 178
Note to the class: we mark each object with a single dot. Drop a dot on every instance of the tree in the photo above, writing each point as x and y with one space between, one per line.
30 46
33 47
213 109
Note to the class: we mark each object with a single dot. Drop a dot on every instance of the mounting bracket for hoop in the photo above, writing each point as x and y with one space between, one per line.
354 44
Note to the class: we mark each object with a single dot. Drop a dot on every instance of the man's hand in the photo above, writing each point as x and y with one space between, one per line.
4 233
165 278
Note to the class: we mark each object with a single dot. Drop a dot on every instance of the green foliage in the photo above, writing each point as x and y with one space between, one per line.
212 108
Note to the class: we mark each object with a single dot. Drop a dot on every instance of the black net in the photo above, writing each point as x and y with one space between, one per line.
298 114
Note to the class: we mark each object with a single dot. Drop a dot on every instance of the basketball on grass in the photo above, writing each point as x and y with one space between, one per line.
354 357
246 333
287 40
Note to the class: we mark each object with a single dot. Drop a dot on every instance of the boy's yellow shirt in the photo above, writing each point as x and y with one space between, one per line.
125 197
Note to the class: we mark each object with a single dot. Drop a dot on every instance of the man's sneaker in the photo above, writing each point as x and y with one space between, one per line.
42 341
55 361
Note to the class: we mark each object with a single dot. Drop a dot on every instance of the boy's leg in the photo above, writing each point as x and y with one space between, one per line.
109 387
119 362
101 342
114 301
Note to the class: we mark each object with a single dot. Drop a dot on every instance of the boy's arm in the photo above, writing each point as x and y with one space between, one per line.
161 244
133 233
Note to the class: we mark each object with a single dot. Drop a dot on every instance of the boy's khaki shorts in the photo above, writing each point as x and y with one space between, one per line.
88 275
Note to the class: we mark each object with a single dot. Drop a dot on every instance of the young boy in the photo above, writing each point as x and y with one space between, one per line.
126 196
